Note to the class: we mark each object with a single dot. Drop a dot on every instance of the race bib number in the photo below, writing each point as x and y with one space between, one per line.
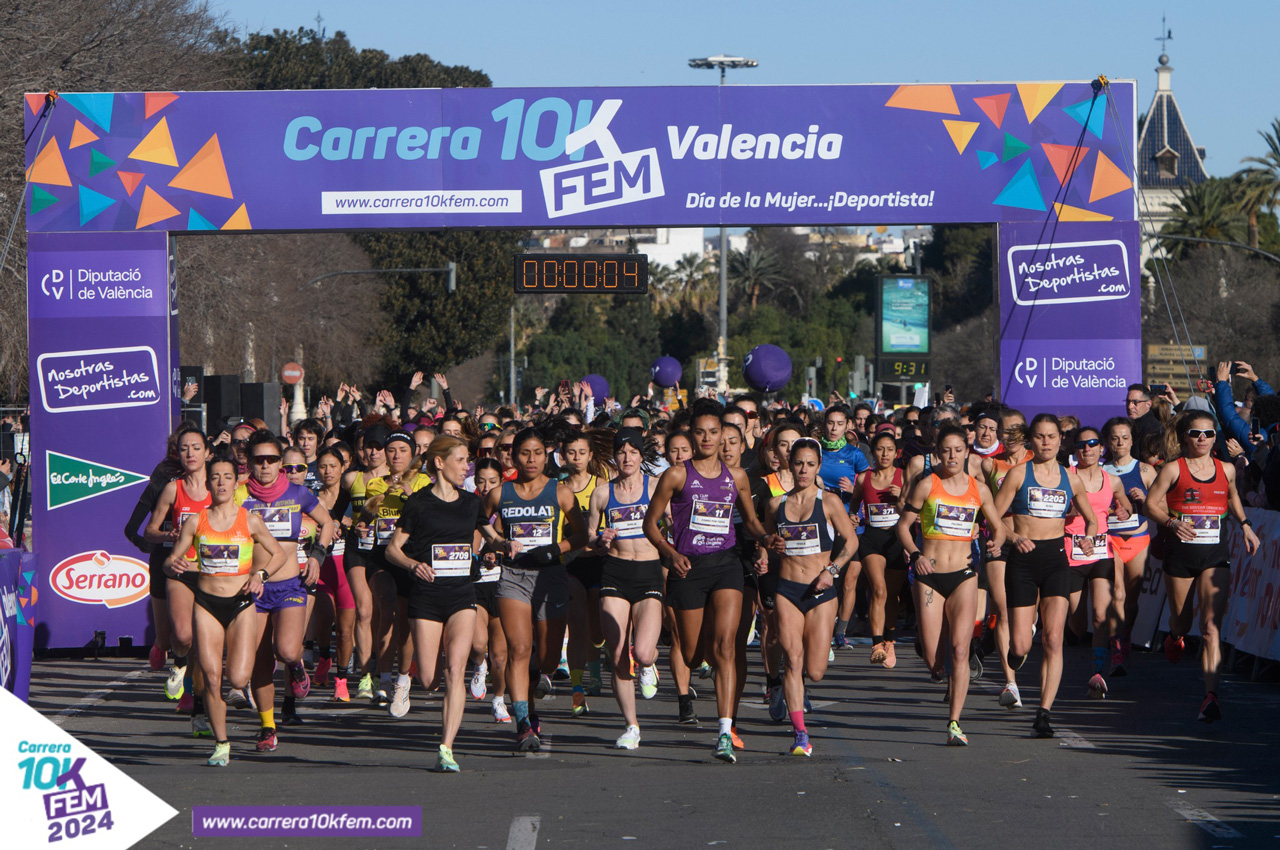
711 517
1208 529
385 529
302 553
365 541
488 574
1046 502
220 558
627 521
882 516
166 527
339 547
450 560
279 521
1101 548
531 535
1130 524
800 539
955 520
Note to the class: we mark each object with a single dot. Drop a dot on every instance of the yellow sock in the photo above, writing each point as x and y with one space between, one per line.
268 718
575 678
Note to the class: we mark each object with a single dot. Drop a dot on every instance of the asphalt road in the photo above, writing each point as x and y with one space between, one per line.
1133 771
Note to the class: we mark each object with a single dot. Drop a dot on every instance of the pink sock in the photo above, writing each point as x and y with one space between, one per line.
797 721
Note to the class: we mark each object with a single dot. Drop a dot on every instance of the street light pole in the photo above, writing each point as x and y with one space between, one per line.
722 343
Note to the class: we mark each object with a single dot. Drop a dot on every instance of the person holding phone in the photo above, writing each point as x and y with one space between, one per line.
1236 422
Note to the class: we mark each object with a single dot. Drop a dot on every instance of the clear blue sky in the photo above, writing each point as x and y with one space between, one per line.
1224 54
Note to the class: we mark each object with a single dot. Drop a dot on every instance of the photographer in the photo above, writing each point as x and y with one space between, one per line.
1236 423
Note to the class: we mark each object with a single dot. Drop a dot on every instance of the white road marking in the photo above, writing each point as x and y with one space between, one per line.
524 832
1073 740
94 697
1204 820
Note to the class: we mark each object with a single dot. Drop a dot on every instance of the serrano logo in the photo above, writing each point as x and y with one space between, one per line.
98 578
614 179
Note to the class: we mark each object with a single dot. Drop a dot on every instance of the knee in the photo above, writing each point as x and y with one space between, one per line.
646 657
1052 642
725 647
879 593
519 648
816 674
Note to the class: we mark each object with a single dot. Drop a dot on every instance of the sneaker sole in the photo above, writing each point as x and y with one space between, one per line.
957 742
728 758
396 711
1008 700
530 745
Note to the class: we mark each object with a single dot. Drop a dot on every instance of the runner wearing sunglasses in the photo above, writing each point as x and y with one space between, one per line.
1189 500
373 464
877 491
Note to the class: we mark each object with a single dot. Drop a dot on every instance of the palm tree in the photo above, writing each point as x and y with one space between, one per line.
1208 210
754 270
691 271
1260 182
665 286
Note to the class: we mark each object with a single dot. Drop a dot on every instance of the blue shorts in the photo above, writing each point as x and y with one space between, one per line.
278 595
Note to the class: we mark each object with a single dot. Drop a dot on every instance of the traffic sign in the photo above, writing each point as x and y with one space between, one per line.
291 373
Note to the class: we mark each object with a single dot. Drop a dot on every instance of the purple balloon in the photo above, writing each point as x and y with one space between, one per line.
665 371
767 368
599 387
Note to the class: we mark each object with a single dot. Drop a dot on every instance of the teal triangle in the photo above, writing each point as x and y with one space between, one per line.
22 621
99 162
986 159
93 204
1013 147
40 199
1079 112
1023 191
28 576
95 107
195 221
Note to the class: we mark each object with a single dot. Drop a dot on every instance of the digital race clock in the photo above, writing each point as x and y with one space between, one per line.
616 274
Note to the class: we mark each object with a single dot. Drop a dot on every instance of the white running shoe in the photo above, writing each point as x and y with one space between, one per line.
477 680
236 698
544 688
648 689
500 714
1009 697
630 739
399 706
173 686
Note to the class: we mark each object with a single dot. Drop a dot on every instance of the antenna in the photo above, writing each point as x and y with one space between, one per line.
1167 34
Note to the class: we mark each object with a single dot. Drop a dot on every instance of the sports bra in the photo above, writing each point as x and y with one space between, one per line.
224 553
810 536
184 506
1036 500
946 516
878 511
627 518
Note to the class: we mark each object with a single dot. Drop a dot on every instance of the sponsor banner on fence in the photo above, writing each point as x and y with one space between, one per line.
1252 623
578 157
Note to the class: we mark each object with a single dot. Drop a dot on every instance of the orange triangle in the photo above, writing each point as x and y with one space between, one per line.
130 179
925 99
1064 159
961 132
205 173
153 208
49 167
1036 96
156 100
35 102
994 105
156 146
239 220
1066 212
1107 179
81 135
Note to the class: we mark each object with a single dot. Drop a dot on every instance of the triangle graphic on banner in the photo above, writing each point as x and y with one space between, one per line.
1064 159
929 98
1023 191
99 162
49 168
96 107
1036 96
1107 179
961 132
130 179
93 204
1013 147
205 172
1066 212
986 159
81 135
35 101
239 220
74 479
1093 119
156 146
993 106
41 200
195 221
91 787
154 101
153 208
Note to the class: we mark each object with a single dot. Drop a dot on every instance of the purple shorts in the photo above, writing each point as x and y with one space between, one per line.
278 595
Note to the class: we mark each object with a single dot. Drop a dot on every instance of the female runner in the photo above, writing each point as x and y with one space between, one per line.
777 442
878 490
359 543
1130 538
489 644
679 449
338 602
1013 440
1190 498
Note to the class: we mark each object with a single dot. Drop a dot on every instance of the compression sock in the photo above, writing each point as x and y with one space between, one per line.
1099 659
384 681
327 651
841 627
520 708
267 718
197 705
290 707
797 721
684 699
593 668
180 661
575 679
887 637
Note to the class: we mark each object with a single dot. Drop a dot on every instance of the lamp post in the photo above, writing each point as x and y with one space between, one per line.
722 354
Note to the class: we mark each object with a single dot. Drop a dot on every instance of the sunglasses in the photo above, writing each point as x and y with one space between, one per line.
490 426
486 451
294 468
751 414
239 442
1090 443
1197 433
263 460
506 447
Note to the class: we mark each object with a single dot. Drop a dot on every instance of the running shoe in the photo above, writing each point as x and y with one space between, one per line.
340 693
649 681
527 740
299 681
291 718
737 742
1009 697
1097 687
380 698
200 727
545 687
841 642
630 739
1210 710
236 698
801 746
173 686
267 741
955 735
499 710
156 658
831 654
580 707
186 703
705 671
808 706
364 690
399 705
890 657
938 676
975 661
221 755
535 723
777 704
693 692
562 672
478 689
1173 648
688 717
1040 727
878 654
592 684
445 762
322 672
1120 659
724 749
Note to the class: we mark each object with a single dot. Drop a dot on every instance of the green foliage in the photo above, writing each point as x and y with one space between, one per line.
1208 210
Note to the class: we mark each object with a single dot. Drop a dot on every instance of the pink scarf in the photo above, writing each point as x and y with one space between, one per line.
267 492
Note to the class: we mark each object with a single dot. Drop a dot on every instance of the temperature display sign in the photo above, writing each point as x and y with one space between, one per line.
613 274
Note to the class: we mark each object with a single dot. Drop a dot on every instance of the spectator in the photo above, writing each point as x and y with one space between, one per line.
1233 423
1137 406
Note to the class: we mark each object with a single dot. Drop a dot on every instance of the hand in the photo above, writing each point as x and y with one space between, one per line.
1244 370
252 587
893 490
356 395
1172 395
994 549
514 548
1234 449
1025 545
1185 532
1122 514
923 566
762 562
538 393
1224 370
442 380
680 564
608 536
342 391
424 572
846 486
430 404
1251 542
385 397
175 566
823 582
583 390
949 397
189 391
649 393
311 571
479 410
284 412
6 465
415 381
1085 543
635 401
1136 495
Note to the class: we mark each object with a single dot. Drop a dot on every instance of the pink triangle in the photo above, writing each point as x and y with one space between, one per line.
157 100
130 179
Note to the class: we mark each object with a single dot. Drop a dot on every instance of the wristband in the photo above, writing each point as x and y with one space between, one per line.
833 569
265 575
1246 521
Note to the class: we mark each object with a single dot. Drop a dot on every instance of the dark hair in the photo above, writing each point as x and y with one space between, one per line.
745 397
884 435
315 426
842 409
222 455
705 407
524 435
328 451
1185 420
488 463
1074 436
1040 419
806 443
1111 424
950 430
1142 388
727 425
263 437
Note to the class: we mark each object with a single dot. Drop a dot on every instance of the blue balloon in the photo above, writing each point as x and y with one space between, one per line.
666 371
599 388
767 368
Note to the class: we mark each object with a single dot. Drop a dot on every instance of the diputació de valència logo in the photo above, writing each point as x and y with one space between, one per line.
60 793
615 178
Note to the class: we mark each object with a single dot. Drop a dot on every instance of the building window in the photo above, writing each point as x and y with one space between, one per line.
1167 164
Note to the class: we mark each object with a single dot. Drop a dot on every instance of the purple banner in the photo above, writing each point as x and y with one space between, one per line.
100 413
735 155
1070 317
313 821
17 618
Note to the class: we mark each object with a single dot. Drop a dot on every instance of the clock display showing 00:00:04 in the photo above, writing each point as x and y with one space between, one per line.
605 273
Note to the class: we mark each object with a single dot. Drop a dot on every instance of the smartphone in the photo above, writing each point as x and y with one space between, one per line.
1235 368
946 389
1255 426
1159 389
564 387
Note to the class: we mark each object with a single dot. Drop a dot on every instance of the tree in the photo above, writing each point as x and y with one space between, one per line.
1260 182
755 270
1208 210
693 274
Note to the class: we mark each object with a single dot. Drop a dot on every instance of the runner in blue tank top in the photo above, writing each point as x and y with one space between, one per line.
706 573
1131 538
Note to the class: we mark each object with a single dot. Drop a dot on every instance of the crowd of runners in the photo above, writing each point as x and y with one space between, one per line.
490 553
